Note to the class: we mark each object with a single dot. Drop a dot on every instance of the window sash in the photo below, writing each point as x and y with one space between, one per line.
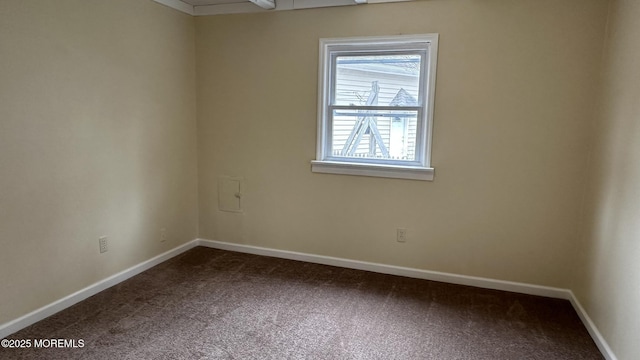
376 107
419 146
422 52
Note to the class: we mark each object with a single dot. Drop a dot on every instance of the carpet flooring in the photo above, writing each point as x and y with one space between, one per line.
214 304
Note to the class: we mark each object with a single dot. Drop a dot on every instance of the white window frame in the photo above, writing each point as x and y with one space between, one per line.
421 168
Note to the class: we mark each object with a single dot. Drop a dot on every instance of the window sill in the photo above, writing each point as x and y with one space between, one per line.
387 171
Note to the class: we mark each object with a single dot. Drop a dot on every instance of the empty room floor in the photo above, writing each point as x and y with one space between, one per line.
215 304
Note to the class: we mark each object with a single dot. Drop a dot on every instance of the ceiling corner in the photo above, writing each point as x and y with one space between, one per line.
178 5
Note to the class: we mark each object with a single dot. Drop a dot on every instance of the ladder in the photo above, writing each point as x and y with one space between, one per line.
366 125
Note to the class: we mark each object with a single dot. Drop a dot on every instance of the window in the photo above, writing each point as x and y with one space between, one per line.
375 106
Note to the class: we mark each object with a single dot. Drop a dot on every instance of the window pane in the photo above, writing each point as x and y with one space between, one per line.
384 80
379 134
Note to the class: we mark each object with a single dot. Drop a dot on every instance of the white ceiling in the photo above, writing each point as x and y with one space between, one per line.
217 7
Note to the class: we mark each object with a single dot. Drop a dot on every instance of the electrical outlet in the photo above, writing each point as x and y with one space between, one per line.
401 235
103 244
163 235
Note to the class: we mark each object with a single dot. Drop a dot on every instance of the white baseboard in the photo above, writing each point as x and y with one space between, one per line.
394 270
20 323
592 329
11 327
486 283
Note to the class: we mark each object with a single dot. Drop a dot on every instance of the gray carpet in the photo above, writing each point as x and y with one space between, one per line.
214 304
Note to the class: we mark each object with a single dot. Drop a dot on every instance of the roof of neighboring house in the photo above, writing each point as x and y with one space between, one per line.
403 98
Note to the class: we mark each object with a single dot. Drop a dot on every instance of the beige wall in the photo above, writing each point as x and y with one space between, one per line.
609 280
97 137
514 102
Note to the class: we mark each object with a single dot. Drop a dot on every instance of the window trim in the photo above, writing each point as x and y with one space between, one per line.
421 168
